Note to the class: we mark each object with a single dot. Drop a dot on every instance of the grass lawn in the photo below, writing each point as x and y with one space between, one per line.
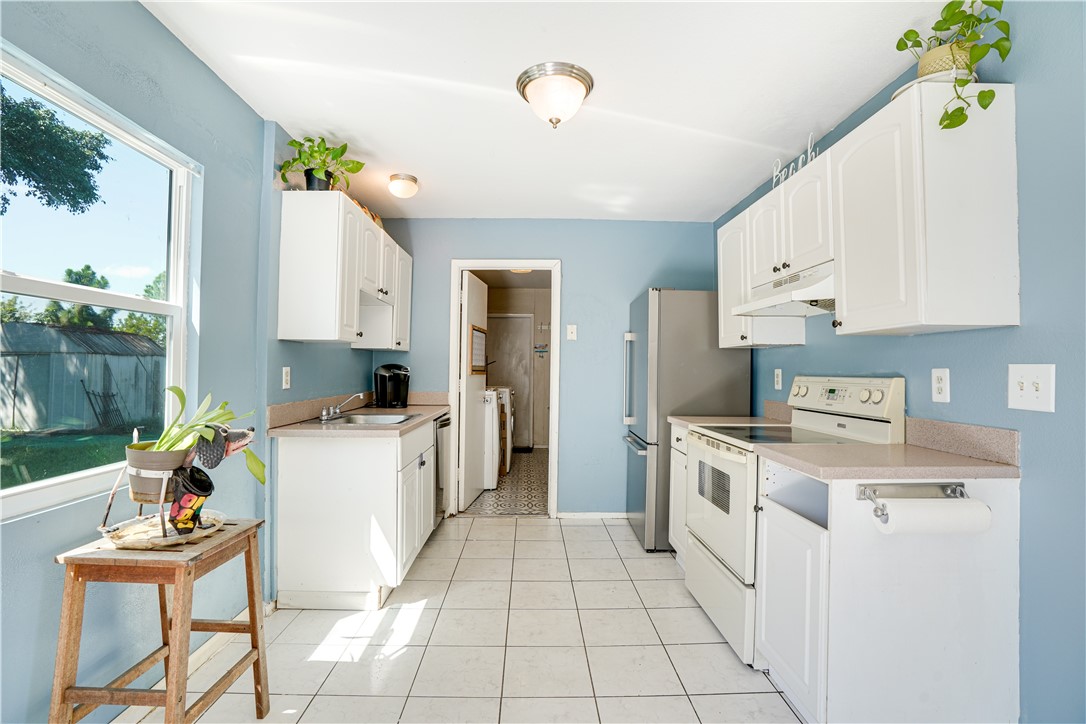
29 457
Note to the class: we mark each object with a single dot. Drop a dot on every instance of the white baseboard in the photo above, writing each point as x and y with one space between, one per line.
615 516
336 600
197 658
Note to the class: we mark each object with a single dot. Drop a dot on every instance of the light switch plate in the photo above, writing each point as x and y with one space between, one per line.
571 332
286 378
940 385
777 379
1031 387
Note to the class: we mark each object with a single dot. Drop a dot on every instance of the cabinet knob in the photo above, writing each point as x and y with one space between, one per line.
743 337
785 265
358 334
776 269
398 344
678 439
422 463
836 323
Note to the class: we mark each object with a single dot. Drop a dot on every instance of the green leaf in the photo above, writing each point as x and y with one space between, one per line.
352 166
985 98
977 53
283 177
972 37
322 145
996 5
940 26
911 35
294 144
1003 47
319 173
950 8
901 44
960 17
953 118
1004 27
255 465
962 82
338 151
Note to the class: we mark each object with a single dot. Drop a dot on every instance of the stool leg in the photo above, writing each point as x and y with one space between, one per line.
71 630
164 619
256 626
180 627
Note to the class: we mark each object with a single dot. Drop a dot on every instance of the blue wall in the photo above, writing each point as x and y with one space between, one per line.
1047 68
605 265
122 55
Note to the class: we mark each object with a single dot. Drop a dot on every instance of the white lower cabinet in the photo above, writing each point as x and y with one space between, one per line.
790 624
676 529
352 515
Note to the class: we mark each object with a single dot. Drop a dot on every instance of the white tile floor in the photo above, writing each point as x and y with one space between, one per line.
511 620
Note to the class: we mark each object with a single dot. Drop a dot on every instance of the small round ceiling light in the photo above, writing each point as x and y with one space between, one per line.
521 271
555 91
403 185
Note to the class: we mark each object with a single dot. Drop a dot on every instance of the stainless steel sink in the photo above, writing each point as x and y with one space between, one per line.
373 419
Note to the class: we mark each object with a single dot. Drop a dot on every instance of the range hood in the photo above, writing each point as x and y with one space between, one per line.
804 294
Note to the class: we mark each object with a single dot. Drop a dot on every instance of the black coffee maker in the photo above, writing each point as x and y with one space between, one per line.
390 384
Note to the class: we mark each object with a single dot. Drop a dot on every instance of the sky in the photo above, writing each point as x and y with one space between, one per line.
123 236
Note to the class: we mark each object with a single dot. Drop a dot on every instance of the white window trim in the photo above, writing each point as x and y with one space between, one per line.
35 497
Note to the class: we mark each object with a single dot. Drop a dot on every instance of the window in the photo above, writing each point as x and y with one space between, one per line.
93 288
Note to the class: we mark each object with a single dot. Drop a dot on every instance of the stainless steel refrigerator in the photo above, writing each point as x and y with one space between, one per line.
672 367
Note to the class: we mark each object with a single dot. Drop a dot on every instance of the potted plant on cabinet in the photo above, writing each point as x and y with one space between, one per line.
955 45
324 166
206 435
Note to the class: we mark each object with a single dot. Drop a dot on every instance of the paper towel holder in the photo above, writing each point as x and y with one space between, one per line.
872 494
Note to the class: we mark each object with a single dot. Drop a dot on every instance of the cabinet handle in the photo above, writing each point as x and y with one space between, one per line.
836 323
785 265
358 334
742 337
776 269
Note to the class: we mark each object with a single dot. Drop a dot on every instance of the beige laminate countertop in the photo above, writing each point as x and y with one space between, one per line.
426 414
688 420
882 462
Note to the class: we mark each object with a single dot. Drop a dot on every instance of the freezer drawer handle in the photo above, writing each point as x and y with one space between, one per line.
637 448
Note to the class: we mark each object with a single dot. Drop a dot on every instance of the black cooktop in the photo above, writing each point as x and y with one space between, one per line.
762 434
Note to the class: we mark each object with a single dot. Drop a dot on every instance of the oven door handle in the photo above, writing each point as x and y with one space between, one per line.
636 447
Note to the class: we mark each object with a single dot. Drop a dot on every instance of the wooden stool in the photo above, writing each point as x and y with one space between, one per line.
178 566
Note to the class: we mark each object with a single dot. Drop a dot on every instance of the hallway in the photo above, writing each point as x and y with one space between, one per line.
522 492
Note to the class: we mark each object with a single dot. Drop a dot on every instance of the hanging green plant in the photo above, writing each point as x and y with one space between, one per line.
956 44
321 163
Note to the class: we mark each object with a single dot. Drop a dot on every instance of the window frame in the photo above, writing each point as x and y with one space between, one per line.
185 176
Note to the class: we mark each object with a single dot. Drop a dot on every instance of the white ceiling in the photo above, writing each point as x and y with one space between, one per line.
505 279
692 104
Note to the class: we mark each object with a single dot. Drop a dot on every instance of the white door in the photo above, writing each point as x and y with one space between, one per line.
676 531
401 312
387 280
472 389
407 515
350 264
370 274
763 249
731 284
805 216
790 629
427 480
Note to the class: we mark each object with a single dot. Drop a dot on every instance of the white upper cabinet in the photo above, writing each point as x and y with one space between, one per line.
401 313
764 249
925 221
806 239
386 284
732 288
319 265
372 239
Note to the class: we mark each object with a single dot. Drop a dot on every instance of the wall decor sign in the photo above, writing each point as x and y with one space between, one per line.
780 173
478 350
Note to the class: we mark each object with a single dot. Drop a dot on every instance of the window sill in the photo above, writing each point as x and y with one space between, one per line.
38 497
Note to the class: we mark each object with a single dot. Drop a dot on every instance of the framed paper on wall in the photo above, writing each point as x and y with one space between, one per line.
478 350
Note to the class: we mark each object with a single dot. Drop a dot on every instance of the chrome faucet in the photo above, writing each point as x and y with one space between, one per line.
331 413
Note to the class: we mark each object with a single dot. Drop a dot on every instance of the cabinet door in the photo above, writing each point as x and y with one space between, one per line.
731 284
875 221
427 479
389 258
407 518
371 256
349 267
763 250
790 628
401 313
805 217
676 531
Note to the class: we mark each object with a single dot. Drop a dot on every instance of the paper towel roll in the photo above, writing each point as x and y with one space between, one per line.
934 515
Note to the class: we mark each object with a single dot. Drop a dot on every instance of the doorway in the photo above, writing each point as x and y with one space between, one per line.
515 347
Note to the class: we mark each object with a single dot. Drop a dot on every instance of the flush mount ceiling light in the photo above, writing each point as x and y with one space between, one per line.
521 271
555 91
403 185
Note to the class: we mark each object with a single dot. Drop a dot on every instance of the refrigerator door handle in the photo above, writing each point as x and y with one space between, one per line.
642 451
627 372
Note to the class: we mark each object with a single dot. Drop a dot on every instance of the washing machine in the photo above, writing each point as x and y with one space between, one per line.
505 407
491 440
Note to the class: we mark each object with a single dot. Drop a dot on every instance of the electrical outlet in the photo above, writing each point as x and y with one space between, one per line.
571 332
940 385
777 379
1031 387
286 378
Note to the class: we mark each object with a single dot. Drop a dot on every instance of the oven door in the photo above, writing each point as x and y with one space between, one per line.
720 496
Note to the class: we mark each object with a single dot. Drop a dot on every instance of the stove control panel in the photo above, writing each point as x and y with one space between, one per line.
872 397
